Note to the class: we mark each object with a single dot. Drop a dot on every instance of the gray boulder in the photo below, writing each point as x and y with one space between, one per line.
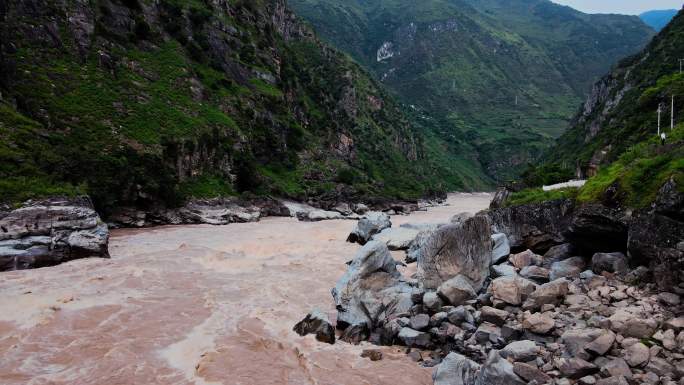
372 223
525 350
456 369
571 267
371 291
557 253
500 248
414 338
498 371
503 270
464 249
51 231
218 211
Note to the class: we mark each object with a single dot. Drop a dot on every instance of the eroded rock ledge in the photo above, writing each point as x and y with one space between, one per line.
50 231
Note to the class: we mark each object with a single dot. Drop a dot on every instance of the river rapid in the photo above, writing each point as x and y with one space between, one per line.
199 304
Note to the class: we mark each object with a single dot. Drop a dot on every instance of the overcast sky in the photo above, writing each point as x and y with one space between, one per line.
628 7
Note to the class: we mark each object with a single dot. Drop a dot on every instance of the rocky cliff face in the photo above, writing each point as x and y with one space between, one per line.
137 103
48 232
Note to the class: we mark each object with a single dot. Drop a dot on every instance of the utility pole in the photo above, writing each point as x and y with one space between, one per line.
672 115
660 110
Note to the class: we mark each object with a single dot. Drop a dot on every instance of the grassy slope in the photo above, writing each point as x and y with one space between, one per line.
117 125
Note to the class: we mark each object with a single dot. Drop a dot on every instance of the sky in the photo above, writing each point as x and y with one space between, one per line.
627 7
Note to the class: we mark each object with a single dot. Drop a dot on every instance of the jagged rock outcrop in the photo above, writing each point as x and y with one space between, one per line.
464 249
536 226
51 231
655 237
371 291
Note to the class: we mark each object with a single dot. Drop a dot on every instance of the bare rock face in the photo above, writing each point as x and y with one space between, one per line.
537 226
654 237
51 231
371 291
464 249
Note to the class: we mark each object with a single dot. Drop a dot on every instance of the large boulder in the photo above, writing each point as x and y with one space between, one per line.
456 369
218 211
418 244
537 226
372 223
500 248
371 291
464 249
51 231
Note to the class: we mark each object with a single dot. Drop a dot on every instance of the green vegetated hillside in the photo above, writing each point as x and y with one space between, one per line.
503 77
614 138
141 101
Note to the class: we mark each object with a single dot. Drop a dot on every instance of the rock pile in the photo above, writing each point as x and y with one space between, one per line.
542 294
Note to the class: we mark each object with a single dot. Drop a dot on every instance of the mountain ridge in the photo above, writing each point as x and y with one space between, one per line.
658 19
477 68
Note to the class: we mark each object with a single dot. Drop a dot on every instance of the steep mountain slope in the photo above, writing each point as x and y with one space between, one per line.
138 101
658 19
503 76
614 138
622 108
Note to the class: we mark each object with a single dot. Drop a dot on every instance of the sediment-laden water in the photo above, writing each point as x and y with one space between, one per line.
196 305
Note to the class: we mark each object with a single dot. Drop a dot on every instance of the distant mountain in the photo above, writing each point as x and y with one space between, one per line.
658 19
501 76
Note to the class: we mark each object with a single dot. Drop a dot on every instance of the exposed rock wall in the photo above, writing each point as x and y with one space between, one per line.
49 232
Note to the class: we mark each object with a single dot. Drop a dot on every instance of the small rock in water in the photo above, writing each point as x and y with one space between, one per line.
316 323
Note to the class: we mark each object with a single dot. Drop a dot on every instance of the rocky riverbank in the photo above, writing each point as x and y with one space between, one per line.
51 231
551 293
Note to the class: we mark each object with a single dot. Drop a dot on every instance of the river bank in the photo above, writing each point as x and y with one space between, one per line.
196 304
